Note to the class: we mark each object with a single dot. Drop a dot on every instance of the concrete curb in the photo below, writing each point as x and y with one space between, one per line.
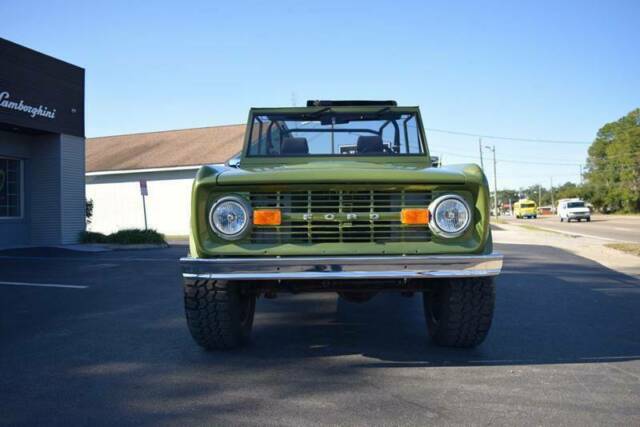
592 248
100 247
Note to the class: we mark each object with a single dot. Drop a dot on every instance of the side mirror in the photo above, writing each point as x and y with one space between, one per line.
435 161
234 162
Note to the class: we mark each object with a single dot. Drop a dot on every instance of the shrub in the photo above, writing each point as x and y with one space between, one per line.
91 237
88 210
124 237
136 236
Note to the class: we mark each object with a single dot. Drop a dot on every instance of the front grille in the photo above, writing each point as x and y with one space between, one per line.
340 216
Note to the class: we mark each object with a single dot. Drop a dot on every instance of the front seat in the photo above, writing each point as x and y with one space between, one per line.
294 146
370 145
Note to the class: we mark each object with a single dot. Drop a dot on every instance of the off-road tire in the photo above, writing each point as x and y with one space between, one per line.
219 315
459 311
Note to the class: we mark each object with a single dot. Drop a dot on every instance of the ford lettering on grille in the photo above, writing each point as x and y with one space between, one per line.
340 216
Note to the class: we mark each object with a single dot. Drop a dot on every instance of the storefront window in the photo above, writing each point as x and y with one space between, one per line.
10 188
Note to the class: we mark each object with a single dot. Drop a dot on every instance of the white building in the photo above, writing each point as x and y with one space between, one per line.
167 161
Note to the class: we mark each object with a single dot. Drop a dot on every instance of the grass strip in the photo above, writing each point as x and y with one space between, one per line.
630 248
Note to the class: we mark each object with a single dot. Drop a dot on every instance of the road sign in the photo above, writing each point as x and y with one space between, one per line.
143 187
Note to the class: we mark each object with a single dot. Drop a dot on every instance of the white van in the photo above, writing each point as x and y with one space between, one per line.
573 209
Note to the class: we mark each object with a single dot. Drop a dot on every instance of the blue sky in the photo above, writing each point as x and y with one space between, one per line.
533 69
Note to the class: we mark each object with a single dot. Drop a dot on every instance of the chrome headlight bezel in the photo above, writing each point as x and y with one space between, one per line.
433 224
244 206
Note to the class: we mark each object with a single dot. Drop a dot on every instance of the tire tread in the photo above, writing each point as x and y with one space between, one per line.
466 311
211 309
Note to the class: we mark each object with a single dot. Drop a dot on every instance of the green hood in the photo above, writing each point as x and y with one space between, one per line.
345 172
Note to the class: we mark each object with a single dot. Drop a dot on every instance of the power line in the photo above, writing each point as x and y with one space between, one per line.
541 162
528 162
511 160
508 138
544 141
615 156
540 177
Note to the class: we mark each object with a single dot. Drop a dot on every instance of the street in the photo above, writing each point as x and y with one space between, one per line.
619 228
113 349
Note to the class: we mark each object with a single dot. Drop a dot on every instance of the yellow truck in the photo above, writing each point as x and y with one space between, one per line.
525 208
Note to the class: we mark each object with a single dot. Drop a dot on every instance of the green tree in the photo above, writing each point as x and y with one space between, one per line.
568 190
505 195
613 167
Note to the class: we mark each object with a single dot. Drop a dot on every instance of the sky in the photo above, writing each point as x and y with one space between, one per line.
544 70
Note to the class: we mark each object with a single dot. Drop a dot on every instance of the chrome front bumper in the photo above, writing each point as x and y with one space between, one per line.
336 268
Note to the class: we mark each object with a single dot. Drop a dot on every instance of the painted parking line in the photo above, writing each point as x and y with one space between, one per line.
43 285
623 229
82 259
555 360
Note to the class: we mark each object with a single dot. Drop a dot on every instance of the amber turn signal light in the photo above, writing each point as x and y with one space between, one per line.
414 216
267 217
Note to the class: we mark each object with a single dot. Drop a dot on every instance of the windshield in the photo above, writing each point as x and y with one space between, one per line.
575 205
326 133
527 205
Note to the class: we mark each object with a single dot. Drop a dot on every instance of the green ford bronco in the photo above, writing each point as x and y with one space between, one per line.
339 196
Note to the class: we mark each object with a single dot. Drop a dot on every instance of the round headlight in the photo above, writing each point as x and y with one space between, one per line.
230 217
451 216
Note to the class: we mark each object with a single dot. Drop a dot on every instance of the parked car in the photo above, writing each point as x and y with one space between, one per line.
573 209
339 196
525 208
545 210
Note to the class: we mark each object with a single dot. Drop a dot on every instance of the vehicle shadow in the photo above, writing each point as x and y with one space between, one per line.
567 311
126 356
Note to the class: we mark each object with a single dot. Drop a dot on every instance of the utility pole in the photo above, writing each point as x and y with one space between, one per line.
480 148
495 179
552 201
580 174
539 195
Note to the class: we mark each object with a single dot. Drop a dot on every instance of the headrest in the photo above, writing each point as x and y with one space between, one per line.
370 144
294 146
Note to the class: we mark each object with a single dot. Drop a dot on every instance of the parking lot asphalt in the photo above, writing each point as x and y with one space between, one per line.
621 228
114 350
